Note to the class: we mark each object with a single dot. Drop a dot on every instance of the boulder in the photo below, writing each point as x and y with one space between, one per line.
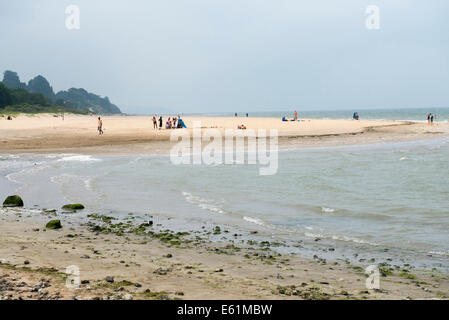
54 224
73 206
13 201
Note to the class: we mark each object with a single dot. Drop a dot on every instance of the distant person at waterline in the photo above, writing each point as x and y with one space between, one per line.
355 116
100 126
295 115
160 123
154 123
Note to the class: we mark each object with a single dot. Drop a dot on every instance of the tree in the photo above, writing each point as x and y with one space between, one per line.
5 96
12 81
40 85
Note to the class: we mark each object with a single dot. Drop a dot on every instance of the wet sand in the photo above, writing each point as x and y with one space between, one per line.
150 262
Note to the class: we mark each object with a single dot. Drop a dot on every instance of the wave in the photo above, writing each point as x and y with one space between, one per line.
439 253
339 238
206 204
81 158
254 220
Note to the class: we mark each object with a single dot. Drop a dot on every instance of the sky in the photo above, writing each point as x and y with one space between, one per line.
210 56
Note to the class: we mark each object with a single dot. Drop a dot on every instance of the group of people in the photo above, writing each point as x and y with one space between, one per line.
295 117
171 123
430 118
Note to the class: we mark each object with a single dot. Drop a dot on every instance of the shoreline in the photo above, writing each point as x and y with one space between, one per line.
133 134
159 263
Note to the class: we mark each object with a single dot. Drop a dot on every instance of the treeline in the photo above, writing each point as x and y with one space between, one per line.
39 95
20 100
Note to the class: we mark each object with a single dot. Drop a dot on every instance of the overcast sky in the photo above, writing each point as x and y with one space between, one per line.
234 55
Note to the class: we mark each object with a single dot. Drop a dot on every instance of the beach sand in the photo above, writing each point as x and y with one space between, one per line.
135 134
144 266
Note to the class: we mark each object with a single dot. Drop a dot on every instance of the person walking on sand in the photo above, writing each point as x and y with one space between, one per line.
154 123
428 118
160 123
295 114
100 126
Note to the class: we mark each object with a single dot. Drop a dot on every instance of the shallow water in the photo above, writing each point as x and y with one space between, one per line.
388 201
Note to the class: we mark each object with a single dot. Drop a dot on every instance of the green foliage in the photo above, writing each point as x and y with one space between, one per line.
81 99
21 96
38 97
29 108
5 96
12 81
40 85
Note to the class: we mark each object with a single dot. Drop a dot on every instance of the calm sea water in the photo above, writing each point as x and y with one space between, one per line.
415 114
388 201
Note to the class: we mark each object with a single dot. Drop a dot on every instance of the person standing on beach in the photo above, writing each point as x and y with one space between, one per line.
295 114
154 123
100 126
428 118
160 123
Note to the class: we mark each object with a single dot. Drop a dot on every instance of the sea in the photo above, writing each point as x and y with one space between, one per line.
383 202
402 114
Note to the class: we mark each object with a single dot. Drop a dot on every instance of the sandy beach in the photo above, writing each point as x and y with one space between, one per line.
135 134
145 265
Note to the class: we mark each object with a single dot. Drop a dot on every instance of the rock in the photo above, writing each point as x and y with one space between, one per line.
26 262
73 206
138 285
109 279
13 201
54 224
127 297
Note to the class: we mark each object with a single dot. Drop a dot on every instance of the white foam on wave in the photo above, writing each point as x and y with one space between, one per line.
81 158
439 253
205 204
254 220
327 210
339 238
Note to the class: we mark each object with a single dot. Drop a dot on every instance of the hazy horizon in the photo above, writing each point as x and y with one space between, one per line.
202 56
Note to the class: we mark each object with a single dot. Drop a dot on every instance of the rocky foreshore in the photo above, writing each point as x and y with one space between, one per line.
137 257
